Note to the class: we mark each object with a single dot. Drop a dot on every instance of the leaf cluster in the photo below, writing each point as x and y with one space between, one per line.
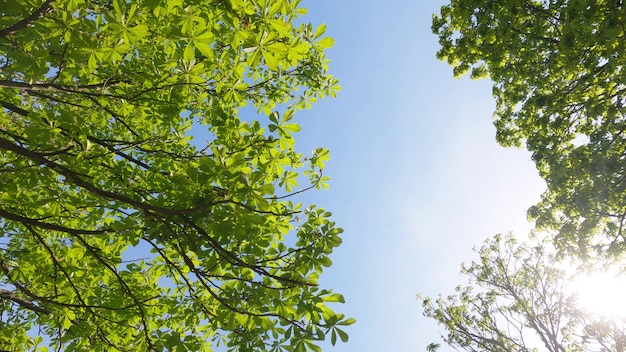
120 232
559 84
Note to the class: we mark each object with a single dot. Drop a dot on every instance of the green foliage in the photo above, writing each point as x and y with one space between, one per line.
559 84
517 300
118 231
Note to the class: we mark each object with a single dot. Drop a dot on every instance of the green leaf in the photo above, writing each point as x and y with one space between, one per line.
342 335
320 31
280 26
270 60
189 54
325 261
274 117
348 321
326 42
335 297
139 31
292 127
67 319
267 189
92 63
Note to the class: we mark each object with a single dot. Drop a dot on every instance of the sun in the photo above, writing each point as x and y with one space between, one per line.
601 293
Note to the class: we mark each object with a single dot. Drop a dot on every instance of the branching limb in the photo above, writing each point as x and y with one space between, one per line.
44 225
11 296
14 108
28 21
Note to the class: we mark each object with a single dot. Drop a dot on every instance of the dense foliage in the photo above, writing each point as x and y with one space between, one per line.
560 89
118 231
517 300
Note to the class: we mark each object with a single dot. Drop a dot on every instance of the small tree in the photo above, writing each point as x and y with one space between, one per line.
518 300
120 232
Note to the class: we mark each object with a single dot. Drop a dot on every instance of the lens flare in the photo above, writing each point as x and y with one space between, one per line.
601 293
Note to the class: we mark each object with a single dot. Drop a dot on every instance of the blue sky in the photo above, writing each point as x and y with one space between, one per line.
417 179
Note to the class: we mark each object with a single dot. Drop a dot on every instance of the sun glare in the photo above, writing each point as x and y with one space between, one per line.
602 293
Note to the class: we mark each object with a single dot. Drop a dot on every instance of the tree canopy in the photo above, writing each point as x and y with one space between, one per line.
560 89
120 231
518 300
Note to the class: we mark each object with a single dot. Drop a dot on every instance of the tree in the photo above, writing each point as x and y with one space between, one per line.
518 300
120 232
560 89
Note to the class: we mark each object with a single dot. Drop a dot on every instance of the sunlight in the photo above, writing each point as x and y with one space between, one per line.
601 293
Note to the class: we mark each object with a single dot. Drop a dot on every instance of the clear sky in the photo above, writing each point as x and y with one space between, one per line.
417 179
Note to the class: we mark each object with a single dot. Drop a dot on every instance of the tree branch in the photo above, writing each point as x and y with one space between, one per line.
80 182
44 225
53 86
28 21
14 108
235 260
6 294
